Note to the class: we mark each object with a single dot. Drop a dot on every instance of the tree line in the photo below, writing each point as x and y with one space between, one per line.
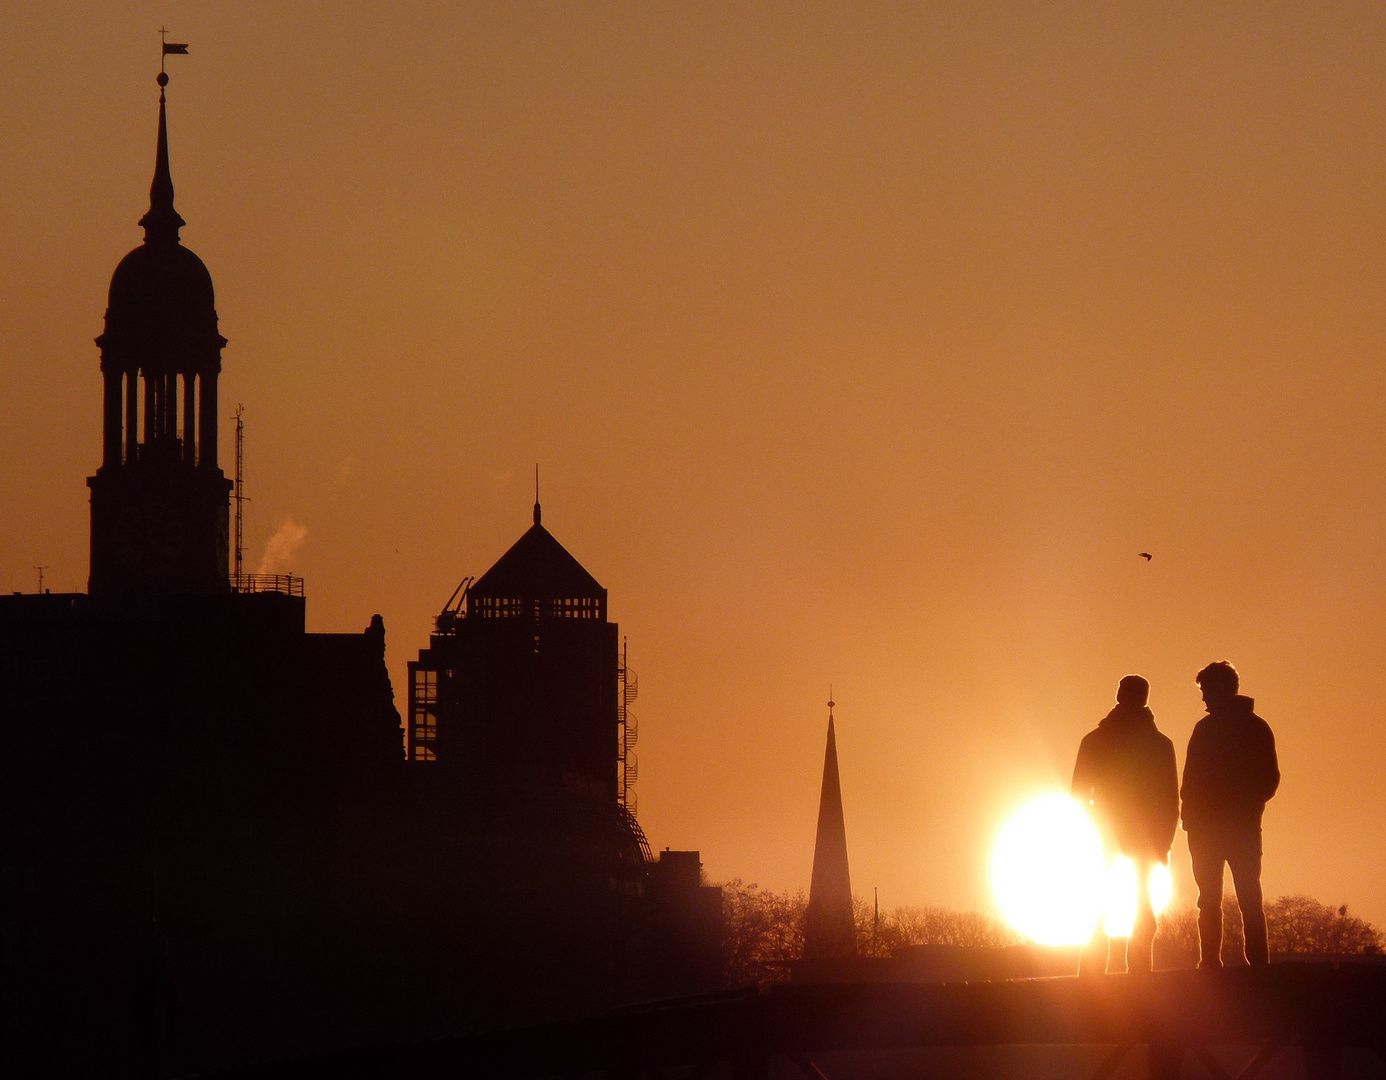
764 931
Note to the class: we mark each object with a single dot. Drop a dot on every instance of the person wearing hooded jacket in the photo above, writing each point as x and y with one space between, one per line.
1127 778
1230 773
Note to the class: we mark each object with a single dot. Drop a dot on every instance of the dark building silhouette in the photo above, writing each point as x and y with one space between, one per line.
517 745
181 764
830 930
686 927
212 848
519 685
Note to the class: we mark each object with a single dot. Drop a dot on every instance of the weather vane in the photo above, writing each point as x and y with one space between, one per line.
168 48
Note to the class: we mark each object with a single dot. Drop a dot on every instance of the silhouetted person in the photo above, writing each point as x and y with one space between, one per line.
1127 776
1230 772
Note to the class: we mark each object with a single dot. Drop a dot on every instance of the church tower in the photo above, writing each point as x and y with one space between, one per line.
159 503
830 929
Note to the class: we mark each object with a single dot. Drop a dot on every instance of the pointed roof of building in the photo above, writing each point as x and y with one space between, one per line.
161 309
161 223
831 928
537 567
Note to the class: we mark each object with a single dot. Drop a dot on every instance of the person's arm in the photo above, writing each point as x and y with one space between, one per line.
1269 772
1169 799
1193 788
1082 785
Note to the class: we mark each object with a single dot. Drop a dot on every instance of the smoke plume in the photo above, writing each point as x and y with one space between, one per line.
281 547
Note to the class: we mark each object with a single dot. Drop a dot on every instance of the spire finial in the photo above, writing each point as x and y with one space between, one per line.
162 222
831 702
537 513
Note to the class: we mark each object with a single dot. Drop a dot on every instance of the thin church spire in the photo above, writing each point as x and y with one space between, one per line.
830 929
161 223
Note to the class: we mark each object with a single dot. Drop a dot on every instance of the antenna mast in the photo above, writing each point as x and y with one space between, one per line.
240 489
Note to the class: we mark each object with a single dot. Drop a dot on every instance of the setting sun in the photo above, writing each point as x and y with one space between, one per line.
1048 871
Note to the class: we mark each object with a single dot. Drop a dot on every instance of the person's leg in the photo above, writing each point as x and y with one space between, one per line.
1141 944
1206 855
1244 858
1093 958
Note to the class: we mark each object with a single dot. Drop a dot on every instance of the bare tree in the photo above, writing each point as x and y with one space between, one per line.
1302 925
930 925
1296 925
764 933
1176 938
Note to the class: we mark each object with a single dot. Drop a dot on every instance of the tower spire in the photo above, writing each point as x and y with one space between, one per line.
831 928
162 222
537 512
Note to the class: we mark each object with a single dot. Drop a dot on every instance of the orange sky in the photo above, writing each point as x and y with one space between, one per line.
858 343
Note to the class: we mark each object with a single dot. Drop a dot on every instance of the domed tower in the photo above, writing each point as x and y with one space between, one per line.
159 503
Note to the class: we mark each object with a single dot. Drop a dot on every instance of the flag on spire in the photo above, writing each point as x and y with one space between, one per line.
169 48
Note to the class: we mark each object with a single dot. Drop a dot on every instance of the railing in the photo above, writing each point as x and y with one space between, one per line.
264 583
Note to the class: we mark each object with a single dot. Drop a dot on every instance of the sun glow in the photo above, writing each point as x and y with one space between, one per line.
1053 881
1119 903
1161 887
1047 871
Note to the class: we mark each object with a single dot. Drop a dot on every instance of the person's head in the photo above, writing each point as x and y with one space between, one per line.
1219 683
1133 691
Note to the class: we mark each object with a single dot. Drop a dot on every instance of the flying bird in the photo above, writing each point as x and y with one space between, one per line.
1145 555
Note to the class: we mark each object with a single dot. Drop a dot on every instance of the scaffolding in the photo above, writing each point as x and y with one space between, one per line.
422 732
627 764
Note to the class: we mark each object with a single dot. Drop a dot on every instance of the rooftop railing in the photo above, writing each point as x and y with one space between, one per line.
286 584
